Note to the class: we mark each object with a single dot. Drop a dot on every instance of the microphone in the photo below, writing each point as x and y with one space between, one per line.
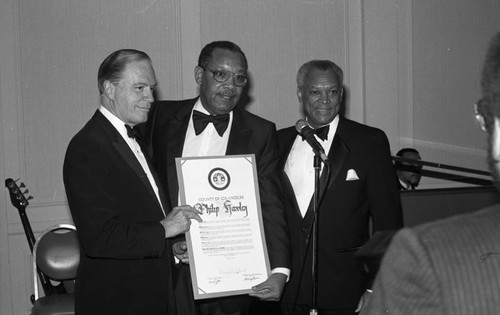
307 132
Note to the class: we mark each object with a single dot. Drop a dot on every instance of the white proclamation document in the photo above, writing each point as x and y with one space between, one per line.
227 251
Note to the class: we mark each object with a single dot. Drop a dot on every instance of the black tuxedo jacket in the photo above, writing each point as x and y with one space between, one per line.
167 128
344 212
126 262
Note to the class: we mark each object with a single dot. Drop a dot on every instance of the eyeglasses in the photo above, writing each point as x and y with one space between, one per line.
224 75
479 117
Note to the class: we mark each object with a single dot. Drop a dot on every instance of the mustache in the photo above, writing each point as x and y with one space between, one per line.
228 92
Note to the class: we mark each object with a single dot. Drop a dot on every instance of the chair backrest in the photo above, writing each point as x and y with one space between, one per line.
56 253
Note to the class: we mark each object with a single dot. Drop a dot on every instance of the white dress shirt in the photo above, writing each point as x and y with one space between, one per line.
300 166
208 142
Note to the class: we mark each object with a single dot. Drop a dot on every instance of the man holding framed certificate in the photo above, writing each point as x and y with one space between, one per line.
212 125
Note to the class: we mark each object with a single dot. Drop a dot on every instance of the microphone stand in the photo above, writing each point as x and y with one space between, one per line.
314 266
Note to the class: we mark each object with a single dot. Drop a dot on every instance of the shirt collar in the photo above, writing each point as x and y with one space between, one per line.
199 107
333 127
115 121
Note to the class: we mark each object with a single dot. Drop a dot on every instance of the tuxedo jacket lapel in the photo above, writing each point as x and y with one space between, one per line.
288 189
286 148
174 140
240 135
337 155
129 157
126 153
288 138
161 191
287 185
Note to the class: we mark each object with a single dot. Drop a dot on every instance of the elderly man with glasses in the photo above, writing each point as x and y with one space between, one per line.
450 266
212 125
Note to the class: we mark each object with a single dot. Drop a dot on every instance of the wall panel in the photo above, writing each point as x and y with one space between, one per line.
449 44
22 277
10 159
50 54
277 38
62 45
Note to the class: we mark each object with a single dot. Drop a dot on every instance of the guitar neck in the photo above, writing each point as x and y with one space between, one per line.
30 236
20 202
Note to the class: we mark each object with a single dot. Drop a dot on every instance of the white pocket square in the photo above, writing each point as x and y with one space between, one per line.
351 175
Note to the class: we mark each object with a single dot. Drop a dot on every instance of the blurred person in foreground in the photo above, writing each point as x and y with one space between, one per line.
450 266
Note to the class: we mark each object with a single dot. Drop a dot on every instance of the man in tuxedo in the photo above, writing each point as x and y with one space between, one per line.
450 266
213 124
409 174
357 186
118 206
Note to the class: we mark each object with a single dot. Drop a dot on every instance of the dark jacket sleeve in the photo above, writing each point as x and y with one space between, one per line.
114 214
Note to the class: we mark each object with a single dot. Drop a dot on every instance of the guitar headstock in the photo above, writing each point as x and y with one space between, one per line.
16 195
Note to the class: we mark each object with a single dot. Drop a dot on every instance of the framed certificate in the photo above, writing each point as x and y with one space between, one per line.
227 251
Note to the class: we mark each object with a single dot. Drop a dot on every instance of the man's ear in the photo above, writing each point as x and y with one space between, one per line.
299 94
198 74
109 89
495 139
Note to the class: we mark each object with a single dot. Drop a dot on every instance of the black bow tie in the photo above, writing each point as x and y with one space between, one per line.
321 132
201 121
132 133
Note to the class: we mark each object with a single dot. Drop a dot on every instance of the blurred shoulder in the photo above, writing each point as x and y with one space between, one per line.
286 133
361 136
358 128
472 232
253 121
487 218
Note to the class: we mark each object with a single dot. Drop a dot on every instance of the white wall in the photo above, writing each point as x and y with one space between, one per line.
449 40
